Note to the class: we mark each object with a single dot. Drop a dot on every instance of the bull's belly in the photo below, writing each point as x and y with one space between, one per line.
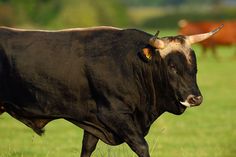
37 116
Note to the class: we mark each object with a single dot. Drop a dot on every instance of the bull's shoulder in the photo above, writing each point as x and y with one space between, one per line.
135 31
136 35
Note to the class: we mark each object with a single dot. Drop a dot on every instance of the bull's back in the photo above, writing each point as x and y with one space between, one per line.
56 53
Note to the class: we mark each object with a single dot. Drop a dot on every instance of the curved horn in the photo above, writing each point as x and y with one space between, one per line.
157 43
200 37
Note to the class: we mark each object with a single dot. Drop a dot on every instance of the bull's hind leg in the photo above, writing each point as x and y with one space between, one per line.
89 144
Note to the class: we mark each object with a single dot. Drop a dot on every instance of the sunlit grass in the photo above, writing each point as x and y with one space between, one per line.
205 131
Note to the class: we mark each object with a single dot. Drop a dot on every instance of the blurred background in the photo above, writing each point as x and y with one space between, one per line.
205 131
161 14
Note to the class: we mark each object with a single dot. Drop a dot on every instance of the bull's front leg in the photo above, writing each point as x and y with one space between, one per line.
123 126
88 145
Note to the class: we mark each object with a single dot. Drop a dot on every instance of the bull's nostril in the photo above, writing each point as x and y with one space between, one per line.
191 100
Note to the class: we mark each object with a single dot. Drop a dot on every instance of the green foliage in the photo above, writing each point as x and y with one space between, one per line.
91 13
57 14
111 12
62 13
76 14
38 12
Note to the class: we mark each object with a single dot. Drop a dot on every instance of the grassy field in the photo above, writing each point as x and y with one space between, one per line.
205 131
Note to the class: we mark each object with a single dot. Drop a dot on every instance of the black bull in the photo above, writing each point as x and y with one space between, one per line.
110 82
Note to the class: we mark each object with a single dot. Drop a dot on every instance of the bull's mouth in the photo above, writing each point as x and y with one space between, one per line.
186 103
179 108
181 101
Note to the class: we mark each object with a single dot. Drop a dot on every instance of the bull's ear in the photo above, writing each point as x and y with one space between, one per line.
146 54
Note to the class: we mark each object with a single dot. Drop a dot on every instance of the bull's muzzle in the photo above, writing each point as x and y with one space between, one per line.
192 100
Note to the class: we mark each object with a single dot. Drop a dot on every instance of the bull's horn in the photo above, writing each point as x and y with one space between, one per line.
157 43
200 37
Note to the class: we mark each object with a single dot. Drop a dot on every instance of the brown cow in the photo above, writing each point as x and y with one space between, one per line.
226 37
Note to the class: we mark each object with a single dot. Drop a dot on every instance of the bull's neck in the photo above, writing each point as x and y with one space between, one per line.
151 88
160 87
165 95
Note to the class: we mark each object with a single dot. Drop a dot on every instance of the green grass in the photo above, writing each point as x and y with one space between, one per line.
205 131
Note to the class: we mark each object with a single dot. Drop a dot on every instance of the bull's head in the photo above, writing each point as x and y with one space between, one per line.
180 62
